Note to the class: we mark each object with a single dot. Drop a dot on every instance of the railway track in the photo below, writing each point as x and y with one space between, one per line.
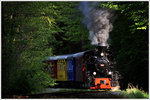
78 94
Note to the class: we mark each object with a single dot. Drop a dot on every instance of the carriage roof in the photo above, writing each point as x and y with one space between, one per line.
67 56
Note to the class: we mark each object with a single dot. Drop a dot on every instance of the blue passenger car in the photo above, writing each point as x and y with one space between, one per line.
71 69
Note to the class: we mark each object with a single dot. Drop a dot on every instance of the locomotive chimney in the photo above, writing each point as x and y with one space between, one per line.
102 48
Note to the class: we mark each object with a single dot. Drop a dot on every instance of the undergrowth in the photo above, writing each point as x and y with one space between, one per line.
134 92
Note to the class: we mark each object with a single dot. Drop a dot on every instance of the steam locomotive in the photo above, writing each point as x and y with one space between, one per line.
94 69
101 68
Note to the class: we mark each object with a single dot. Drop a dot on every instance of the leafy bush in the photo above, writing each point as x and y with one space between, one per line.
134 92
29 80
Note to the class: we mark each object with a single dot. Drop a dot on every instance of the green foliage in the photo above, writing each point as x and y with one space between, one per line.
133 92
27 35
139 17
29 80
112 5
130 44
73 33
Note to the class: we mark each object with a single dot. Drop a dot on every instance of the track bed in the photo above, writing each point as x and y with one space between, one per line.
77 94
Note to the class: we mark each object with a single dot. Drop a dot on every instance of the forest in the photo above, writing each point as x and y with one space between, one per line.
33 31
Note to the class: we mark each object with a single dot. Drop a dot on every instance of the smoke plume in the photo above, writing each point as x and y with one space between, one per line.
98 21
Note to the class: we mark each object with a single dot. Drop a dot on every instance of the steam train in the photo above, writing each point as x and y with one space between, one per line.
94 69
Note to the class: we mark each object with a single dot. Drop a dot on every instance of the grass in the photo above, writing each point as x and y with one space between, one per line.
134 92
130 92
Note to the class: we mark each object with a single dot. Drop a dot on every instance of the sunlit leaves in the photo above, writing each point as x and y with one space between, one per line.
112 5
130 42
27 35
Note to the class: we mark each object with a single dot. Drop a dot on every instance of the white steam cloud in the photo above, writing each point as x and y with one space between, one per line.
98 21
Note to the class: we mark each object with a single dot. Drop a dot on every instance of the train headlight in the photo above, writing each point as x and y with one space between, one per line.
109 73
102 54
101 64
94 73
